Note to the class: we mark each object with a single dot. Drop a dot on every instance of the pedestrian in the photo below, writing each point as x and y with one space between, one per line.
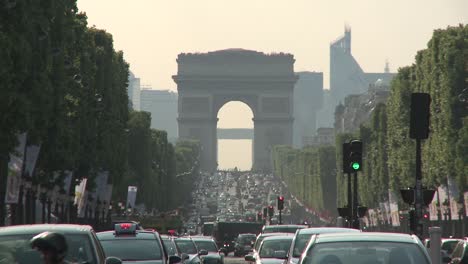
52 246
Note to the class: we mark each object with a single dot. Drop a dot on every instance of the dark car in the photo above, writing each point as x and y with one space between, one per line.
364 247
185 245
244 244
83 245
132 245
215 255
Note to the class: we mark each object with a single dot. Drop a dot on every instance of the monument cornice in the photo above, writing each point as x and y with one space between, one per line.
235 79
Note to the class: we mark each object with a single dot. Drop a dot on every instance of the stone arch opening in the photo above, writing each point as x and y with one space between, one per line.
235 136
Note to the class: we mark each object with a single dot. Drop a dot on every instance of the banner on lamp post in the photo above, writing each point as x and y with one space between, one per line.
101 185
131 196
433 208
32 153
393 200
80 199
454 196
465 195
15 169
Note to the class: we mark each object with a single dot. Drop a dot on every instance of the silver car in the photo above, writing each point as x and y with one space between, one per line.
365 248
302 237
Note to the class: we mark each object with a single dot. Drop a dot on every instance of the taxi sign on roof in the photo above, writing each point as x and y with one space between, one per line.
125 228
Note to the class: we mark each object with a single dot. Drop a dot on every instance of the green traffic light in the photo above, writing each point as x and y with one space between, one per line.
356 166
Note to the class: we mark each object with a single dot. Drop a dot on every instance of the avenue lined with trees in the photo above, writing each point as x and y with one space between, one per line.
65 86
389 154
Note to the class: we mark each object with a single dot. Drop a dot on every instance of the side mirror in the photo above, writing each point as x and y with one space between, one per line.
203 252
280 254
113 260
184 256
174 259
249 258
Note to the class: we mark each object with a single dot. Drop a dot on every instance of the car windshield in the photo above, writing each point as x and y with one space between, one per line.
300 244
365 252
125 249
170 246
206 245
16 249
186 246
268 248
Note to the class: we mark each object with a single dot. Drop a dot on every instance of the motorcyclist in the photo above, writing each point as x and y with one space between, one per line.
52 246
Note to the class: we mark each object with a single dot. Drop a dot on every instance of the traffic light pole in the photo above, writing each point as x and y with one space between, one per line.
355 222
350 201
418 199
280 220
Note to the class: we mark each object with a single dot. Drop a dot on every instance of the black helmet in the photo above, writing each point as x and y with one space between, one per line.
50 241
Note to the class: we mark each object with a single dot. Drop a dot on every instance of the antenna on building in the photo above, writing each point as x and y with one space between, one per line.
347 38
387 66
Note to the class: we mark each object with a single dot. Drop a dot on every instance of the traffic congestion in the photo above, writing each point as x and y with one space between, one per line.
222 228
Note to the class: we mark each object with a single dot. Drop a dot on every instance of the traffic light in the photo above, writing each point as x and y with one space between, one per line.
280 202
420 115
270 211
346 161
355 155
265 211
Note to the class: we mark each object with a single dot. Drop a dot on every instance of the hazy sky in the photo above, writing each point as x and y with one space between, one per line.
153 32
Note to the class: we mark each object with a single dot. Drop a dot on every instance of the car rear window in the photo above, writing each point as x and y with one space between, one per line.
186 246
206 245
132 250
268 247
16 249
365 252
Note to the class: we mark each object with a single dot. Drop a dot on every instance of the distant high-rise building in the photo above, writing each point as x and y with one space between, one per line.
133 91
347 76
308 100
162 104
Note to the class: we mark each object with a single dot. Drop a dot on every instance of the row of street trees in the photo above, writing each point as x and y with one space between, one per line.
65 86
389 154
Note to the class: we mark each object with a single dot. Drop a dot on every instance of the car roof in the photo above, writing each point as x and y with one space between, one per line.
274 234
182 238
139 234
247 234
202 238
38 228
280 226
366 236
282 237
321 230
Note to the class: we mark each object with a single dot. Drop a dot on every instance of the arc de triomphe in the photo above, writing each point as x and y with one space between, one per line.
207 81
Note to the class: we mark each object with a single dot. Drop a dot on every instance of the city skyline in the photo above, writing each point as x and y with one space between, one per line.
382 30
